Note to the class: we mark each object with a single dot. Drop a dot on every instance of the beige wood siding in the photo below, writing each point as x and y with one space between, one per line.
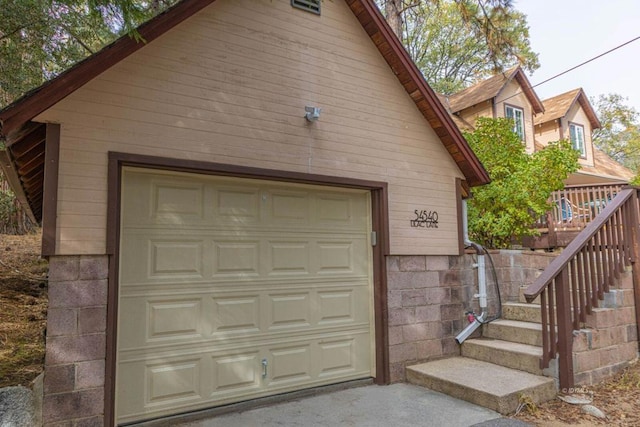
229 85
471 114
577 115
512 94
548 132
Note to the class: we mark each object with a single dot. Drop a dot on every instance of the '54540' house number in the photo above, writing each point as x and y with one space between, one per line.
425 219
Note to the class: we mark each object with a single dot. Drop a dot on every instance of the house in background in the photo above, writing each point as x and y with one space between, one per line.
567 116
570 116
507 94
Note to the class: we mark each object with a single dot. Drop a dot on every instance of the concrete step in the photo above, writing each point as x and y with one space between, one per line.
522 312
514 331
523 357
485 384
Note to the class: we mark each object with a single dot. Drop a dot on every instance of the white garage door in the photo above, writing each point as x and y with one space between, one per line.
232 289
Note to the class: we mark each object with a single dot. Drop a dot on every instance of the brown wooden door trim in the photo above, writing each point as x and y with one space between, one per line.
50 189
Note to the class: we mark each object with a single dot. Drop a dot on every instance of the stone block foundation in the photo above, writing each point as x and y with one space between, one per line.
427 298
74 374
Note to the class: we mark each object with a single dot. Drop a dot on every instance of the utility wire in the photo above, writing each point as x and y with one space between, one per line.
577 66
586 62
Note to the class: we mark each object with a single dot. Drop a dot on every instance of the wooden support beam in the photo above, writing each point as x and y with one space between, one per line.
565 332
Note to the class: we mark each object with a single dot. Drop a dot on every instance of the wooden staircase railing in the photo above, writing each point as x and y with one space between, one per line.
574 282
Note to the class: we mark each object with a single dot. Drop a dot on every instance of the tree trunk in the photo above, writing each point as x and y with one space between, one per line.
392 10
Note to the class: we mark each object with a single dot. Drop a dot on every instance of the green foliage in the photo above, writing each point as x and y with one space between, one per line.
520 185
619 135
41 38
456 43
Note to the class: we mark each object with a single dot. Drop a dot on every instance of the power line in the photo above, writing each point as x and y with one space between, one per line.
586 62
577 66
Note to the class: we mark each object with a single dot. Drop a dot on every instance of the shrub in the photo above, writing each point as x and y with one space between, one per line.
520 185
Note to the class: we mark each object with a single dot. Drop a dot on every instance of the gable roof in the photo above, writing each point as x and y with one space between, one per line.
491 88
558 107
25 141
605 166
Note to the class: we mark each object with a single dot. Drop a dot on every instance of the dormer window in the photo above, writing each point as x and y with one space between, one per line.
576 134
517 115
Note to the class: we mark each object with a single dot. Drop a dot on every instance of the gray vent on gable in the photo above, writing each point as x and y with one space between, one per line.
312 6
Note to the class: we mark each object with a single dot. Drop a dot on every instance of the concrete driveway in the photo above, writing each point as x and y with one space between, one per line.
396 405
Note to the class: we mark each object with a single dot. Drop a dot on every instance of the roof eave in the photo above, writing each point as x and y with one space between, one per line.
525 84
602 175
588 109
14 183
462 154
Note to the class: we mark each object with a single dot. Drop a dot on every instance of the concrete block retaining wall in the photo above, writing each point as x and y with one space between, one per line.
609 340
516 269
429 295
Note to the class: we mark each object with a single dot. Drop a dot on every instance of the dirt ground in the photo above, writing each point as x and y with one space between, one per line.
23 310
618 398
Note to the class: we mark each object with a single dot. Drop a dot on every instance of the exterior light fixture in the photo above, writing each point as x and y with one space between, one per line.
312 113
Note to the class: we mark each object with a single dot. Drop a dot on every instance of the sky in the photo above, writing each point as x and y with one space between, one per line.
566 33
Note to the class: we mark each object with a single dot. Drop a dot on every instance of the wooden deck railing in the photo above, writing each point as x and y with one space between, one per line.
576 206
577 279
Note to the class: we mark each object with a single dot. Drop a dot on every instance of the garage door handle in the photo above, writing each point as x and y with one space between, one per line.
264 368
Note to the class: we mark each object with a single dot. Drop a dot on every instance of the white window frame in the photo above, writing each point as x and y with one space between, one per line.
576 136
517 115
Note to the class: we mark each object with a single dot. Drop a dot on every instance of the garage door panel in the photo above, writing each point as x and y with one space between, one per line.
335 209
169 321
154 321
232 314
174 381
238 314
177 202
168 258
335 257
289 364
178 383
288 258
165 201
172 256
236 373
237 258
178 318
288 207
337 357
250 271
178 257
337 306
236 205
289 310
169 382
